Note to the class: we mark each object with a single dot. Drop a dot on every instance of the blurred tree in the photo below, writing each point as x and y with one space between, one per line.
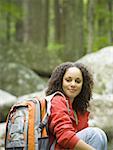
36 21
19 32
110 9
69 28
102 28
59 21
59 27
90 21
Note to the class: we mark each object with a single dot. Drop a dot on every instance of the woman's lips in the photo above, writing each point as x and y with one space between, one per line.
72 90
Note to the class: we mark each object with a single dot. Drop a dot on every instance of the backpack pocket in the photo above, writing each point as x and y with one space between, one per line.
17 127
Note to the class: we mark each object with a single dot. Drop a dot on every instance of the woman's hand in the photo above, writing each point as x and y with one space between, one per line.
81 145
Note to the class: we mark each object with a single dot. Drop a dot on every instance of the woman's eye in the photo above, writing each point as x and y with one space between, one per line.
78 81
68 80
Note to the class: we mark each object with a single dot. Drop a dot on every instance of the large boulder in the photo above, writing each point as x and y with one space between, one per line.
101 111
19 80
2 135
31 55
101 64
6 98
6 101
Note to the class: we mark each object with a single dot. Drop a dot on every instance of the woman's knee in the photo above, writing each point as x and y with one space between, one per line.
97 138
100 134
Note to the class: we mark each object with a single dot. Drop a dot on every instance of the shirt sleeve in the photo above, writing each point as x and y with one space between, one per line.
61 125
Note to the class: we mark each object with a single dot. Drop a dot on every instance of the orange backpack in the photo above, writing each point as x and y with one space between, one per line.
26 125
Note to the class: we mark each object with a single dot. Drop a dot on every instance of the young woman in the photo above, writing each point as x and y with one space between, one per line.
68 122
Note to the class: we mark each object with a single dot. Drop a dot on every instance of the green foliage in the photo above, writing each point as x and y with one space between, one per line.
55 48
85 1
12 9
100 42
10 13
102 24
101 13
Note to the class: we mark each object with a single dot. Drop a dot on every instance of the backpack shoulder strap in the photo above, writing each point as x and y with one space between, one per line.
49 98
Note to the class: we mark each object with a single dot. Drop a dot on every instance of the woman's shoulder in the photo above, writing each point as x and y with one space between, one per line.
58 98
58 95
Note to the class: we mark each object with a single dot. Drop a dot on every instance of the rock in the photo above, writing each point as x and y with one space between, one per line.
101 114
101 111
19 80
2 135
30 55
101 64
6 101
6 98
40 94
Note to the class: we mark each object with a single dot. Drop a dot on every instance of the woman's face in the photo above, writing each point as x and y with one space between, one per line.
72 82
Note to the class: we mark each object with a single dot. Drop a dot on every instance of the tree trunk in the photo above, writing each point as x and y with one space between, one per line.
19 23
90 20
59 21
102 18
110 9
69 28
36 21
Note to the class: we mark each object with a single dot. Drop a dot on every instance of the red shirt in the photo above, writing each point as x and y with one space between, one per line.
63 125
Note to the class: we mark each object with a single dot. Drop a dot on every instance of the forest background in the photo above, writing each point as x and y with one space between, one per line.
68 29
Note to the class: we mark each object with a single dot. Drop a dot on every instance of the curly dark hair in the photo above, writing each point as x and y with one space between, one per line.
81 102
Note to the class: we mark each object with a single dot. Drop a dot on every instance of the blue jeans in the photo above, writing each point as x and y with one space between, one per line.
94 137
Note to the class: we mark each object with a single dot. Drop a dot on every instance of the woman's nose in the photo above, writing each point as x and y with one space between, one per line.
73 83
